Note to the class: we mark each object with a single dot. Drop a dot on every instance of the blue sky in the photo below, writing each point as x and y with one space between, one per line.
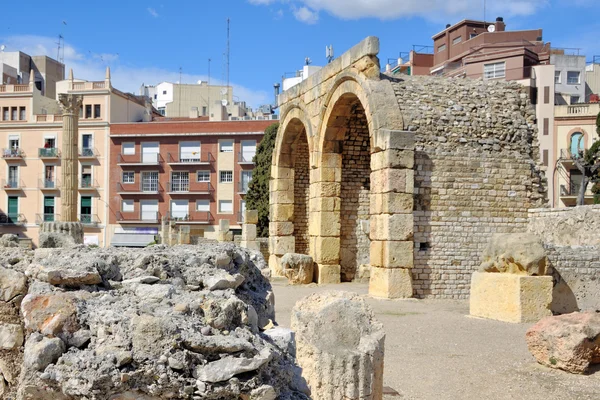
148 41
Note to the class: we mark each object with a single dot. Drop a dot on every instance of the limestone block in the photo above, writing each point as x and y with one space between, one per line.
393 158
282 212
298 268
391 203
510 297
275 265
251 217
280 245
324 224
11 336
250 245
515 253
326 175
331 160
389 139
223 225
325 204
281 228
392 180
248 232
339 346
328 274
392 254
282 197
392 227
282 173
390 283
325 189
276 185
327 250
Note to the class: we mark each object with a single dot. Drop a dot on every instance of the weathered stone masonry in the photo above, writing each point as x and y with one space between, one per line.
301 193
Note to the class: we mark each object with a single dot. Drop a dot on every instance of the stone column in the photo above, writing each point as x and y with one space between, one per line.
249 230
224 234
392 223
281 225
70 104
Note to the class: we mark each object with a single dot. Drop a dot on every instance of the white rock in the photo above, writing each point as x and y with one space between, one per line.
11 336
226 368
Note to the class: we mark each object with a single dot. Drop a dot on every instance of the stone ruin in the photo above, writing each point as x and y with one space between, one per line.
163 322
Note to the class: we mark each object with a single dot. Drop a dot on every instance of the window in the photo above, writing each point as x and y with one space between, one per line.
557 77
85 204
86 176
180 182
13 143
545 157
189 152
226 146
80 111
575 181
494 71
248 150
245 181
128 149
225 206
155 97
13 176
50 143
546 126
22 114
573 77
575 99
127 206
457 40
441 48
202 205
180 209
13 209
96 110
472 35
577 144
5 114
13 112
203 176
204 110
162 111
164 92
128 177
546 94
87 145
48 209
150 181
225 176
88 111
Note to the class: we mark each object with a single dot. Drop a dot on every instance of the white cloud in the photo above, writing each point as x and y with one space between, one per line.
152 12
125 77
307 10
303 14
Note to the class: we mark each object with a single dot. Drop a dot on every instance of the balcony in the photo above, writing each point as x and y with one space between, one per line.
96 85
15 89
49 184
577 110
13 154
143 188
88 184
189 188
88 220
245 159
48 118
138 217
12 219
190 159
41 218
12 184
195 217
49 153
139 159
88 154
570 191
242 188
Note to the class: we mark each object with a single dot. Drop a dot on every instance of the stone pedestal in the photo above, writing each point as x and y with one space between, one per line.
249 231
60 234
510 297
224 234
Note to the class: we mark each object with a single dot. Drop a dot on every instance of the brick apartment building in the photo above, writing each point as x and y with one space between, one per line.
189 172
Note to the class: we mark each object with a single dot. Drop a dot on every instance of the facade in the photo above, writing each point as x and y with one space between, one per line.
592 82
574 130
18 68
31 134
570 78
189 173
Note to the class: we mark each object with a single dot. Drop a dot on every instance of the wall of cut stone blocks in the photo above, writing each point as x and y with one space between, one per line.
301 193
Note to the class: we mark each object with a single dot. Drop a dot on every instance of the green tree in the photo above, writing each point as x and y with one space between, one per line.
588 163
257 197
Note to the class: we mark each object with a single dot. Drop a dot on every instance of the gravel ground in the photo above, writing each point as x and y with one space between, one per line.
434 350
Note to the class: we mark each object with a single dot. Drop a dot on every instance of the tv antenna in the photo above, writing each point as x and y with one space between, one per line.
307 61
60 43
228 54
329 53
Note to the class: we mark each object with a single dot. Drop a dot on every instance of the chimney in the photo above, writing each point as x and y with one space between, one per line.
500 25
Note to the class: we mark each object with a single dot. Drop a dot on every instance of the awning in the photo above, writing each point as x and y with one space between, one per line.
131 240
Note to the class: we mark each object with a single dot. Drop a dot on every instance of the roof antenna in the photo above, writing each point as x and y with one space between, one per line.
329 53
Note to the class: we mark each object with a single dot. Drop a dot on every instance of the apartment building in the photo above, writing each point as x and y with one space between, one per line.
191 173
574 130
31 142
569 78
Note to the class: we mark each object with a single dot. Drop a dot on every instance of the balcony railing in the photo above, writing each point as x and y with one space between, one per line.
87 85
139 159
88 184
242 188
190 158
40 218
197 217
189 187
48 152
14 153
12 184
12 219
88 153
15 88
138 217
49 184
90 220
245 158
139 188
577 110
48 118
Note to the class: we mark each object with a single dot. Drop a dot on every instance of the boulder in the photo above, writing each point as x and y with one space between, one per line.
515 253
41 351
298 268
339 346
11 336
570 342
9 240
12 284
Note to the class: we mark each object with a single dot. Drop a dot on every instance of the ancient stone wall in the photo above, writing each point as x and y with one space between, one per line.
301 193
578 226
355 213
476 174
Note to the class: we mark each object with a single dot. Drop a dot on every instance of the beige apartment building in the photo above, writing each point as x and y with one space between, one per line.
31 141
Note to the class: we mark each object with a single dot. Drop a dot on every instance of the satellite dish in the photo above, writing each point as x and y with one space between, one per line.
492 28
224 102
224 91
2 47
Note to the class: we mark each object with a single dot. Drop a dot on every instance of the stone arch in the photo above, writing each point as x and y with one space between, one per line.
290 179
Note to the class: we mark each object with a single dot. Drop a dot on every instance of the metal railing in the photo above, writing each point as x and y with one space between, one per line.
48 152
141 159
142 187
40 218
138 216
190 158
12 184
88 219
245 158
88 183
49 184
88 153
570 189
189 187
240 217
15 153
194 216
12 219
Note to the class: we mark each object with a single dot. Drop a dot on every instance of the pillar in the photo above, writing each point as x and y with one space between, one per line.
249 231
281 224
391 209
70 104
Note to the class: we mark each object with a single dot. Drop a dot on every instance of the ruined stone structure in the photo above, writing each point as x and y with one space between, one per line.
70 104
409 175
